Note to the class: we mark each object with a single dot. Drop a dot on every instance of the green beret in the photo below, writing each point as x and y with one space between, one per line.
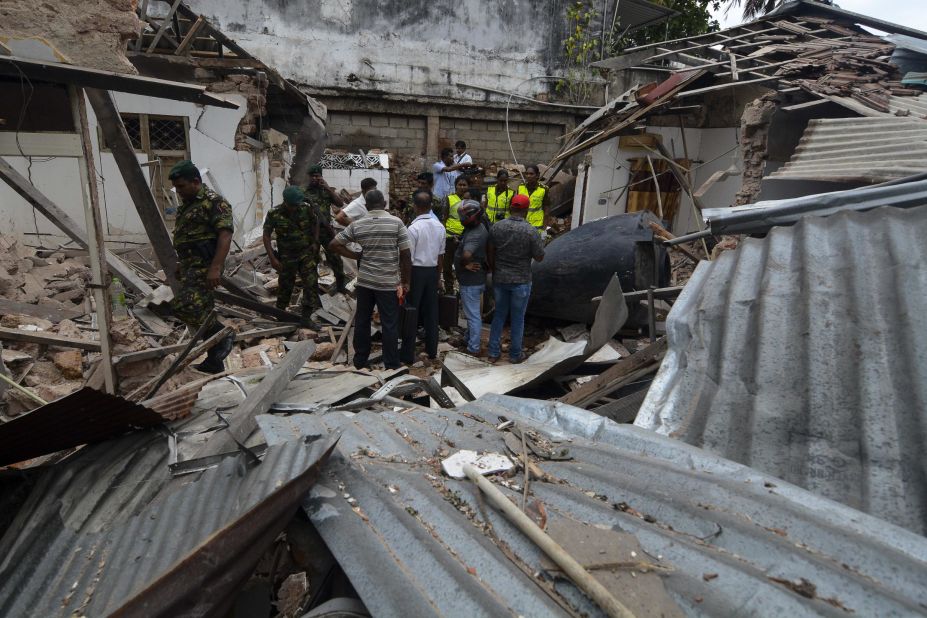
184 169
293 196
315 169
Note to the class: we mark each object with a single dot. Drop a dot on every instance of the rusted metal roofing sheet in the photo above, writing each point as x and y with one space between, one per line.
108 531
416 543
802 355
83 417
859 149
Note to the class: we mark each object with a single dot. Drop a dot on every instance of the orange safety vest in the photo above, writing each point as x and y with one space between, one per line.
535 214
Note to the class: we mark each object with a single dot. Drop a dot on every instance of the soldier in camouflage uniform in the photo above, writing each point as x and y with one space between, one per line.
322 197
202 237
296 226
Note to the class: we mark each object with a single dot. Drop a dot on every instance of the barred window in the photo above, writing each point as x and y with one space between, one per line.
167 134
133 125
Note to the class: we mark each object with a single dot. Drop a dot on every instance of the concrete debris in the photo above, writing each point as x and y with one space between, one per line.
485 463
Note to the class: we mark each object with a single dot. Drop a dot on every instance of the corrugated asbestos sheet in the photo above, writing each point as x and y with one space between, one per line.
109 531
640 13
859 149
803 355
416 543
83 417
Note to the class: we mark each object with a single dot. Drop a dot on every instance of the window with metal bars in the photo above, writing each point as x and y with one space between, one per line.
167 134
154 134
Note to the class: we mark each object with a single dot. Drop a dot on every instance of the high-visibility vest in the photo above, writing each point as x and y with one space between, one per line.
497 208
453 225
535 214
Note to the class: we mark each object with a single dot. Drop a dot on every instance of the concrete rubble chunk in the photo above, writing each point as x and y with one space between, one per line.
487 463
70 363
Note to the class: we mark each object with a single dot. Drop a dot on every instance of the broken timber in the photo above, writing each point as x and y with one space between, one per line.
611 378
66 224
96 245
26 336
114 132
242 419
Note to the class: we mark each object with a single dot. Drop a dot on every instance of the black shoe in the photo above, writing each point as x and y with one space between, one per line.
222 349
210 365
307 322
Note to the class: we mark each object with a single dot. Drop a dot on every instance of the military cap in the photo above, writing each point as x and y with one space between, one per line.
315 169
293 195
184 169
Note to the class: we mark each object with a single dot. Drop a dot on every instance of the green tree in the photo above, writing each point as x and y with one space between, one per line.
693 17
581 48
754 8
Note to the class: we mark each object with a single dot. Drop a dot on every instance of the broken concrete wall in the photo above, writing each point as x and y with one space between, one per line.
606 172
400 47
754 134
214 142
90 33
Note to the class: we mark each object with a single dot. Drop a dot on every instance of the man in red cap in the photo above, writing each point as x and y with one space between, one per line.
513 243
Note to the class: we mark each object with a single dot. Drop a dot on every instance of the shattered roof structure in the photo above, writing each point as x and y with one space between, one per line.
724 538
803 45
801 354
110 531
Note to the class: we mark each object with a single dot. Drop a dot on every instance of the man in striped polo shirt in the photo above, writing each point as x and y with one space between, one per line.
384 270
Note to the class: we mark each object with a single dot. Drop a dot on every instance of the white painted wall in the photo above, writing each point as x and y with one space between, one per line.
607 174
241 177
399 46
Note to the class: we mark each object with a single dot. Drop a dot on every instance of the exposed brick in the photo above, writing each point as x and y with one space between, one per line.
360 120
540 128
398 121
478 125
462 124
417 123
379 121
387 133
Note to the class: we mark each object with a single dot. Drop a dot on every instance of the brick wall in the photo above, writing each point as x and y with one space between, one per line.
354 131
534 142
487 141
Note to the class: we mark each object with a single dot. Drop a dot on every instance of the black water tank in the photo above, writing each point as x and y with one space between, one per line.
578 265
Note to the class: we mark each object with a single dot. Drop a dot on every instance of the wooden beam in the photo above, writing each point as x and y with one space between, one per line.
42 338
242 419
52 314
148 211
96 248
601 385
164 24
256 306
191 35
66 224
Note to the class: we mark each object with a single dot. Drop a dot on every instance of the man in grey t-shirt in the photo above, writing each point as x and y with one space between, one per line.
513 243
470 264
384 269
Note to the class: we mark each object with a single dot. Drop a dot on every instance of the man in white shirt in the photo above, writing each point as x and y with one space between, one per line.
427 236
357 208
461 157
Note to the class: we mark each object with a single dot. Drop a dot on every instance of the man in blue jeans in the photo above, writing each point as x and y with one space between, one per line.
470 264
513 243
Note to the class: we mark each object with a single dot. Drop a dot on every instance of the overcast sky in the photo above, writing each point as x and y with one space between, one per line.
911 13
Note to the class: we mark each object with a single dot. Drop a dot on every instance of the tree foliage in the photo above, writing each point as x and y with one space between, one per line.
693 17
754 8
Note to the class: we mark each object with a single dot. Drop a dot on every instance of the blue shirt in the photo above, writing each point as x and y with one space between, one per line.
444 181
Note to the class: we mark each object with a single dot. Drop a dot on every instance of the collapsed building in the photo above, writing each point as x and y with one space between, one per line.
742 441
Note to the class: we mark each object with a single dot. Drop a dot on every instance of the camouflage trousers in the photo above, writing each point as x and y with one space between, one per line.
306 269
333 259
194 300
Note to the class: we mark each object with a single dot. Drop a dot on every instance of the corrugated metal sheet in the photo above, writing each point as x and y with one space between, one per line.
758 218
634 14
802 355
415 543
83 417
858 150
109 530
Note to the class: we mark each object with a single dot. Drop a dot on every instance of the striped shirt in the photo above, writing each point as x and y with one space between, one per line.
381 237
